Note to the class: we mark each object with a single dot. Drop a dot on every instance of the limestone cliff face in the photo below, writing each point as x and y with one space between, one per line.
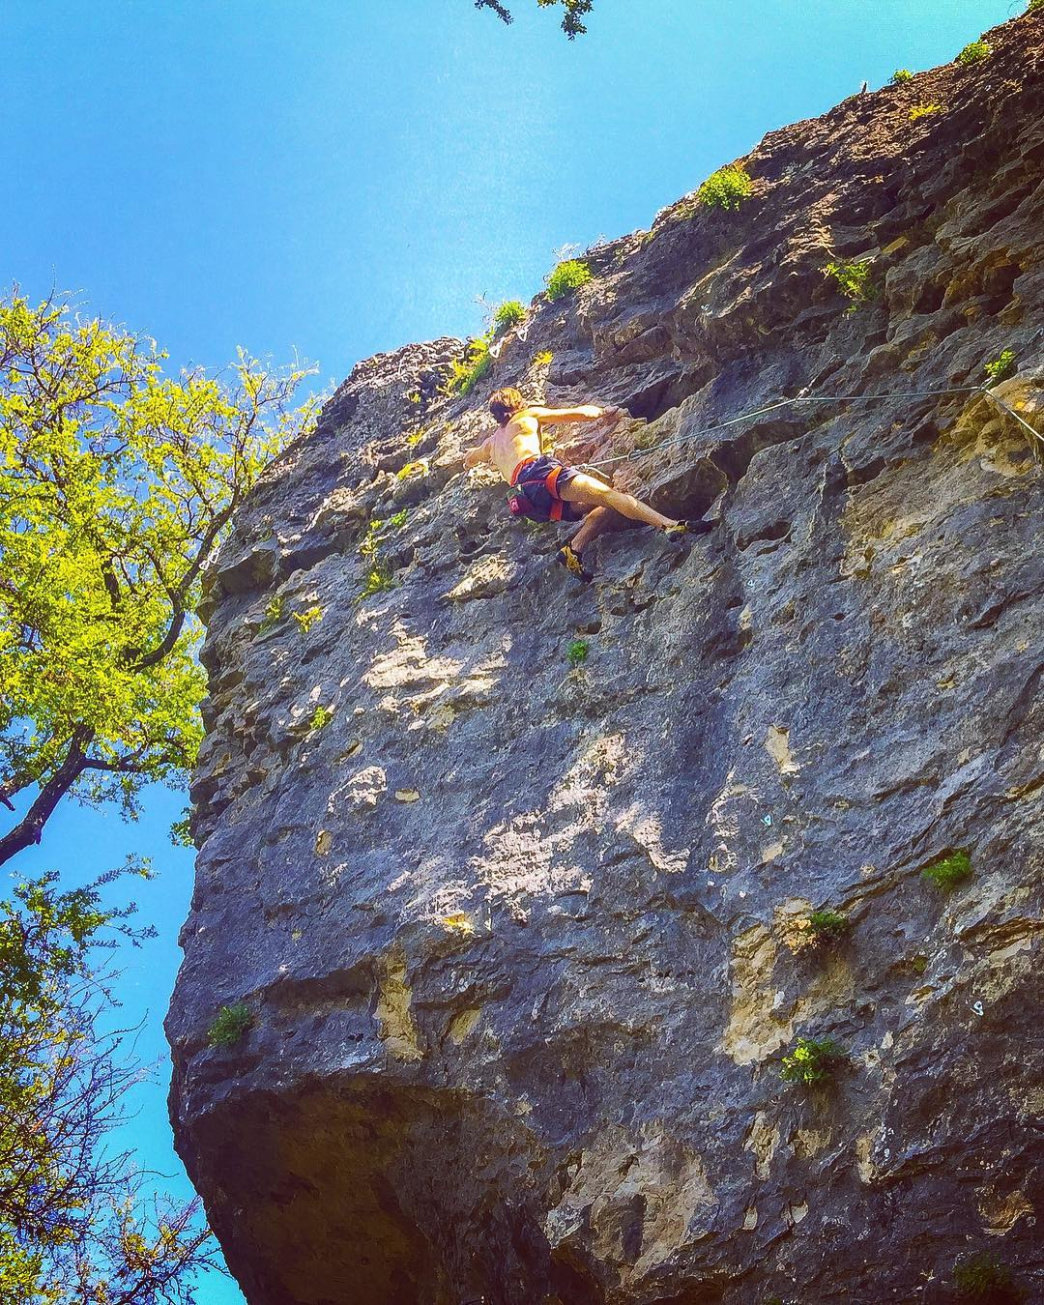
523 942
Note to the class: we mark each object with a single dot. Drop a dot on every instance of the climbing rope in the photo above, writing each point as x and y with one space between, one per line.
817 398
1012 413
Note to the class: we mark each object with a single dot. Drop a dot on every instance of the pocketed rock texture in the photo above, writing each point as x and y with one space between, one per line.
524 943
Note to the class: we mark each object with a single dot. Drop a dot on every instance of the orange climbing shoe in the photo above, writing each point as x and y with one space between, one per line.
568 557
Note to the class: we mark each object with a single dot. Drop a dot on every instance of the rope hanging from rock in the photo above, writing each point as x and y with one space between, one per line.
821 398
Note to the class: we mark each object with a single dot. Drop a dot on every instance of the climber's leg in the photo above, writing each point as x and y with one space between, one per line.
597 522
592 493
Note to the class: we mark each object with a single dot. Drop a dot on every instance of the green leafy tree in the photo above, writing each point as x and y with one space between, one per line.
572 19
116 486
76 1226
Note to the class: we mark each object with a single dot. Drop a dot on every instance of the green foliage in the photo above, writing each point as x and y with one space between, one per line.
229 1025
543 359
727 188
812 1060
379 579
181 830
476 364
974 52
566 278
273 614
826 928
72 1225
983 1277
306 619
577 653
1034 4
923 110
854 279
368 547
574 12
948 872
509 314
116 485
1003 366
320 718
417 468
919 963
900 76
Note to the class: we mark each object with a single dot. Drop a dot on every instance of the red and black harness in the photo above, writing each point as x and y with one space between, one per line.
536 482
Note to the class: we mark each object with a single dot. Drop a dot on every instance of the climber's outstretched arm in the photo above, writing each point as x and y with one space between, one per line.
474 457
587 412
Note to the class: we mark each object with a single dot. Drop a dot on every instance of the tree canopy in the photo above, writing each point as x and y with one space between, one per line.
572 18
74 1227
116 485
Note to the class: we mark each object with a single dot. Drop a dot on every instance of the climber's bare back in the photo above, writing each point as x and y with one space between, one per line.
519 438
514 443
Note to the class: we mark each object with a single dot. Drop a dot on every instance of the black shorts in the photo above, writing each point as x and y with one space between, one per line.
537 483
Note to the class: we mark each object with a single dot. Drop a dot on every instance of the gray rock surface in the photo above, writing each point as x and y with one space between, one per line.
525 943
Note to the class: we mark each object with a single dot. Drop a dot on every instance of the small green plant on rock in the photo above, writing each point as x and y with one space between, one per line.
825 929
272 616
306 619
368 547
476 364
974 52
418 467
379 580
923 110
1034 4
854 280
727 188
320 718
229 1025
948 872
900 76
510 313
543 359
567 278
982 1277
1003 366
577 653
813 1060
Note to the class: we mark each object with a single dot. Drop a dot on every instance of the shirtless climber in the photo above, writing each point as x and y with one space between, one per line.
545 488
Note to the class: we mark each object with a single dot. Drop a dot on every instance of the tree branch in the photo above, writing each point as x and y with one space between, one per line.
30 827
180 594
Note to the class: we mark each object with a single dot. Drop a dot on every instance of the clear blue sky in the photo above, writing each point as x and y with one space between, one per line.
344 176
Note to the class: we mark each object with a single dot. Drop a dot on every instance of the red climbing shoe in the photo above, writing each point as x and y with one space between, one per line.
568 557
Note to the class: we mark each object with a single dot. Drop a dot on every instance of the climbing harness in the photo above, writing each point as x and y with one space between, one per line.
535 490
819 398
